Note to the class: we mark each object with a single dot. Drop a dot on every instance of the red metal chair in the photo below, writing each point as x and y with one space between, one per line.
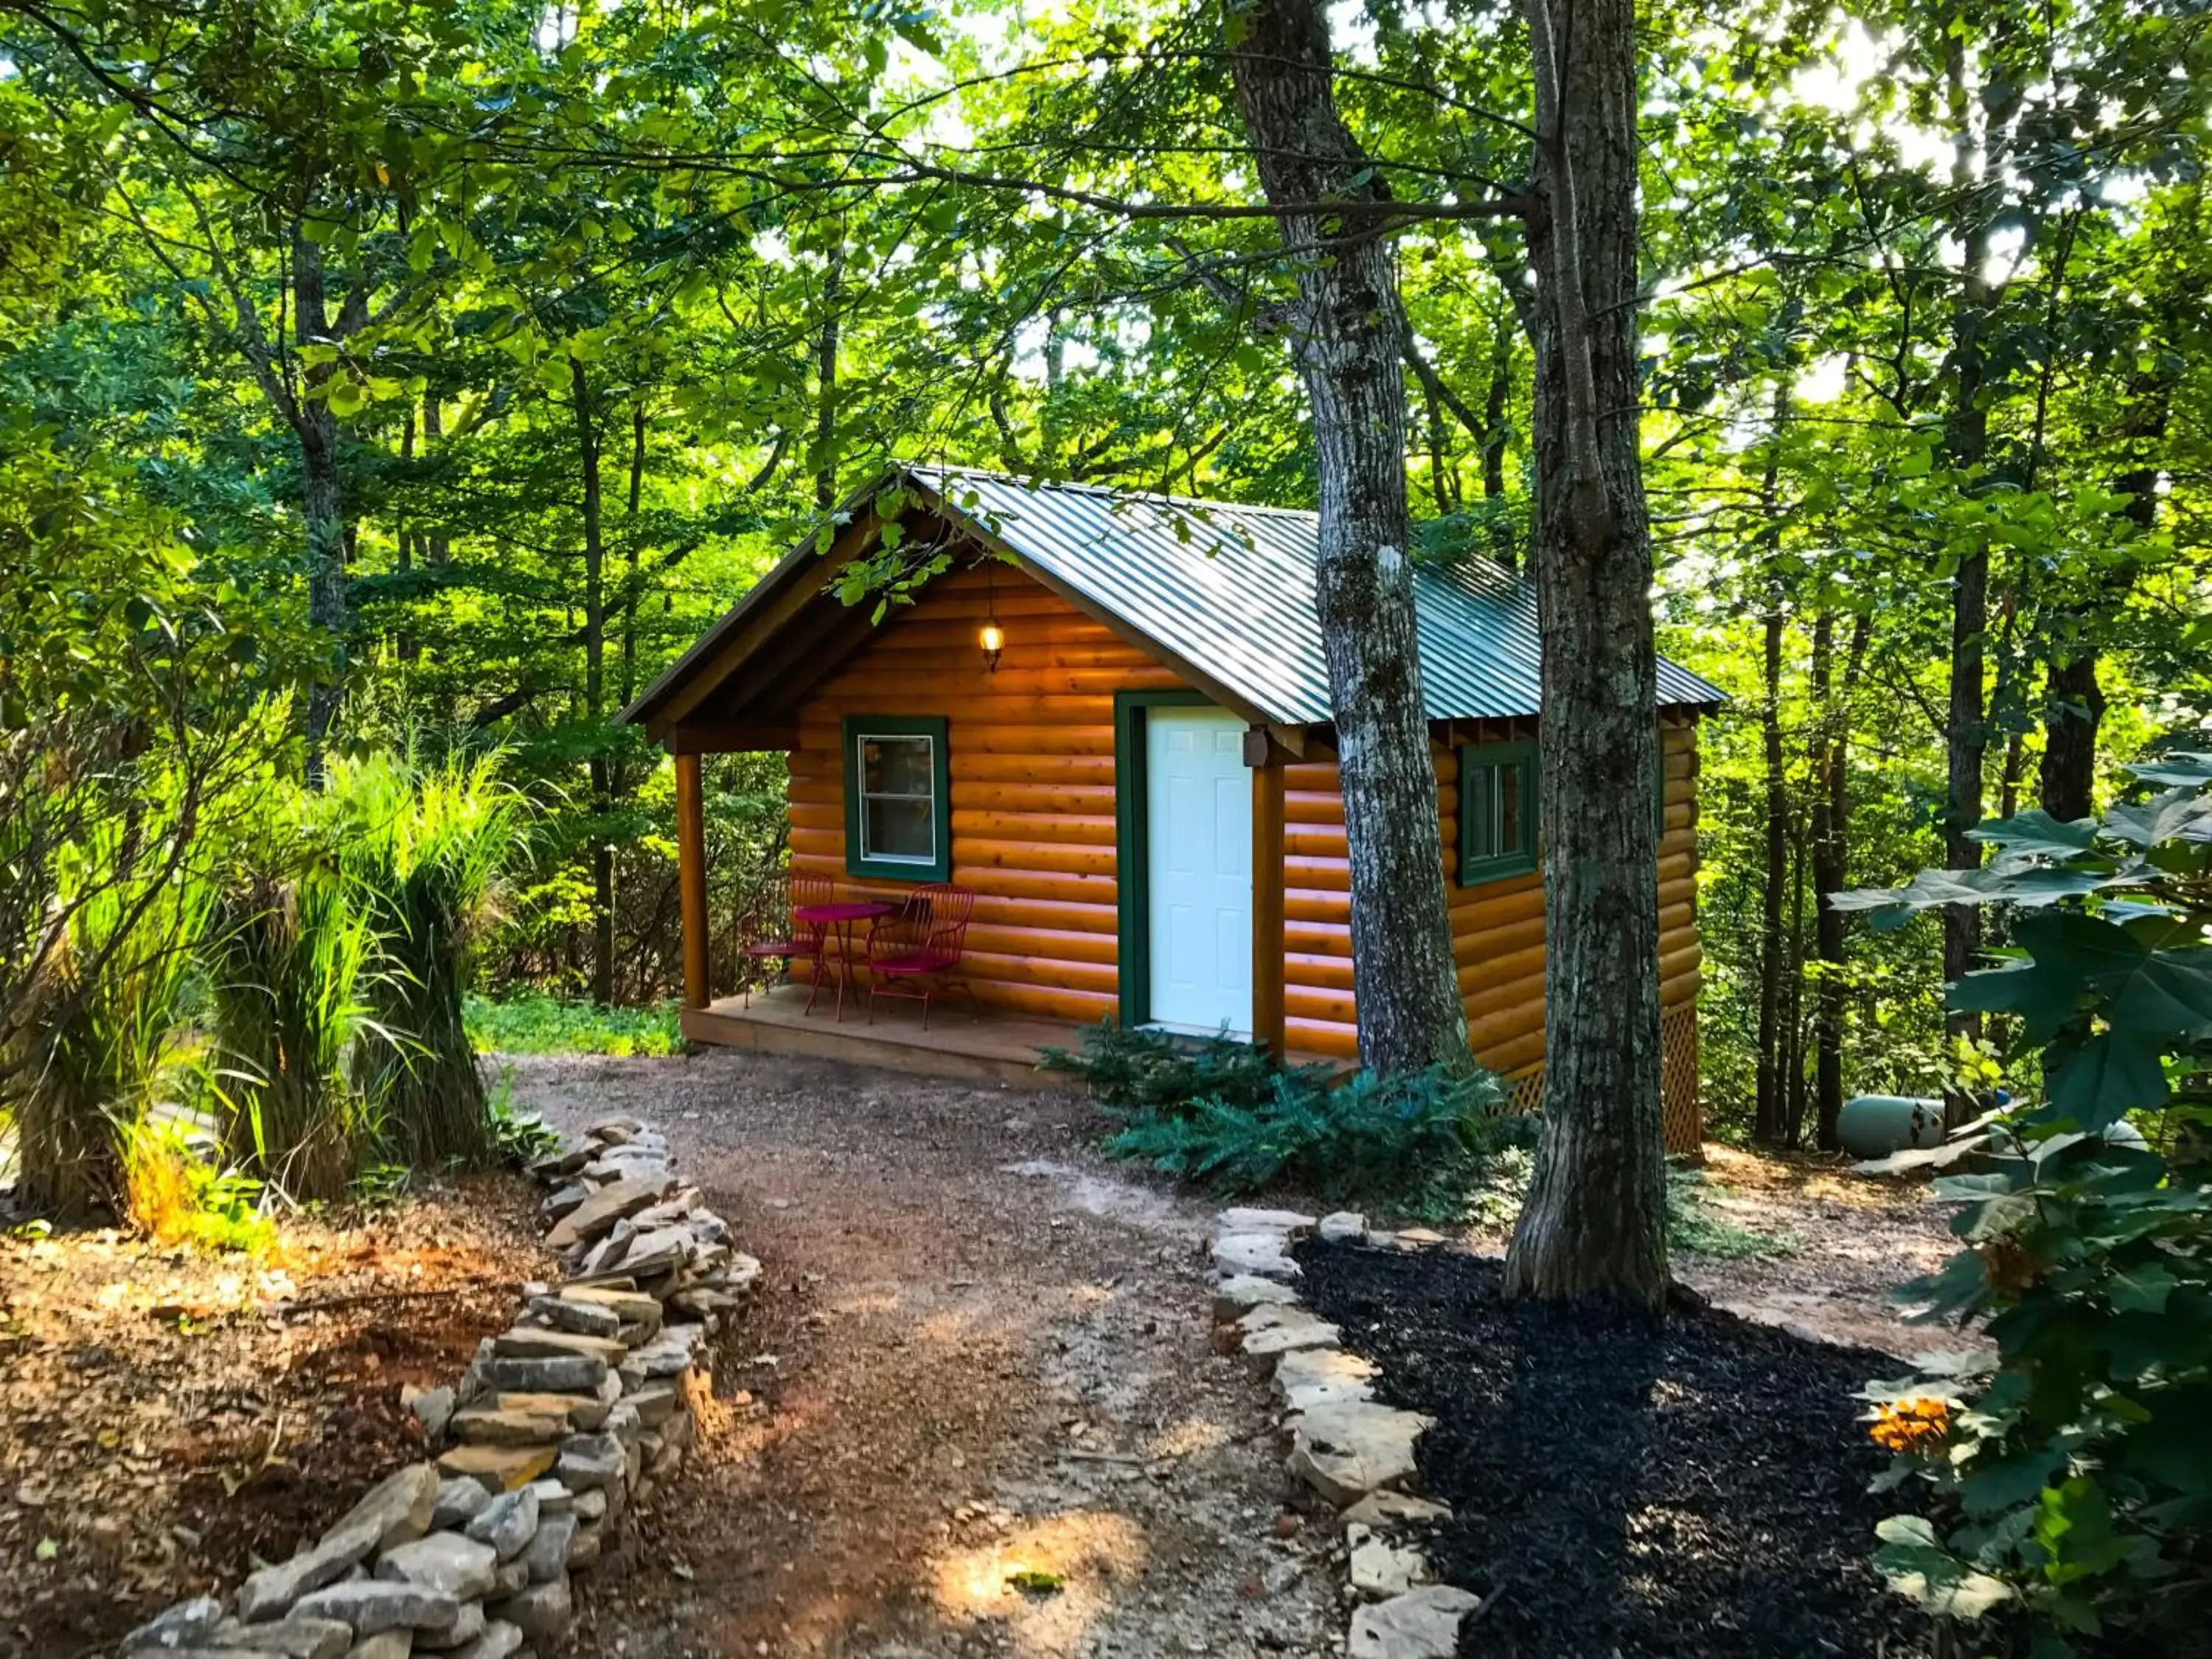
915 950
767 932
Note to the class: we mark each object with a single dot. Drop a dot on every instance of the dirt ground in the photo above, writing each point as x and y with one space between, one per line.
979 1352
974 1409
165 1414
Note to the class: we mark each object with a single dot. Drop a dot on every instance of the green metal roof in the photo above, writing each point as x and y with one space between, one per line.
1230 589
1223 592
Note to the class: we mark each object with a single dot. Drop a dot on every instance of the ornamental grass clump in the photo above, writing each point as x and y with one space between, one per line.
2072 1476
289 960
103 1013
424 847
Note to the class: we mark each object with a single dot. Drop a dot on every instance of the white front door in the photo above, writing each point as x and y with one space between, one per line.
1199 829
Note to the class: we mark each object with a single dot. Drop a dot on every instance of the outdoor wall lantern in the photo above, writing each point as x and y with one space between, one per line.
992 638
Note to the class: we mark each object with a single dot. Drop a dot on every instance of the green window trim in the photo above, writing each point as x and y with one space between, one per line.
938 866
1483 766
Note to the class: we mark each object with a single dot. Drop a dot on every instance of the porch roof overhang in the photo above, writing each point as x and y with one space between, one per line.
1222 594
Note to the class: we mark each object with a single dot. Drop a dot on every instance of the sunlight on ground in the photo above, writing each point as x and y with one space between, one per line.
1075 1560
1187 1438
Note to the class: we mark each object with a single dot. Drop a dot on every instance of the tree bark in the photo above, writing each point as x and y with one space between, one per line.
595 684
1767 1112
1505 545
1594 1223
1346 343
323 505
1831 843
825 381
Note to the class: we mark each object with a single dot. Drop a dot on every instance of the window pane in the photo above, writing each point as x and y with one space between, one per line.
1512 808
894 828
895 766
1482 812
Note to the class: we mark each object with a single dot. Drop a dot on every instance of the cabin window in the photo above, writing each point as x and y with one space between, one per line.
1497 811
898 817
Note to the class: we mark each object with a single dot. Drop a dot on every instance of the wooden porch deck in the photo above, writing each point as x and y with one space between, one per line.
991 1046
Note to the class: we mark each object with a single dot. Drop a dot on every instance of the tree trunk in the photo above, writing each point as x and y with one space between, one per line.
825 374
1594 1223
1830 834
1506 546
1766 1117
1967 436
595 684
1347 343
2076 695
323 505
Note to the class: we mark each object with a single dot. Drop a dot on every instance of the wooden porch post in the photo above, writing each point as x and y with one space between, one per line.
691 878
1267 903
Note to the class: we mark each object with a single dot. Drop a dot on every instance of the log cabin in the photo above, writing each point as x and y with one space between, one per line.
1107 715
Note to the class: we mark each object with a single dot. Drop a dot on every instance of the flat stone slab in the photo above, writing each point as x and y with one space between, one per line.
1379 1568
187 1624
446 1561
493 1425
1309 1377
274 1589
579 1411
500 1640
458 1500
1422 1624
292 1639
1269 1332
1382 1511
597 1215
1238 1294
629 1307
507 1523
1240 1220
1347 1450
1343 1227
372 1607
499 1468
1258 1253
574 1373
536 1342
400 1505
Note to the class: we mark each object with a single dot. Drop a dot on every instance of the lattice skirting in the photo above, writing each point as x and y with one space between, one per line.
1682 1114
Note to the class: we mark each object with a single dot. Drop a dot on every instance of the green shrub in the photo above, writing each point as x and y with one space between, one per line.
103 1013
2075 1476
424 847
1142 1069
1414 1141
536 1024
288 961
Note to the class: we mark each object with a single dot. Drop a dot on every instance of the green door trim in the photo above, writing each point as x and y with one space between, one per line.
1133 846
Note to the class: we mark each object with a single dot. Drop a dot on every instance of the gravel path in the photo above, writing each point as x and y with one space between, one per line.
973 1409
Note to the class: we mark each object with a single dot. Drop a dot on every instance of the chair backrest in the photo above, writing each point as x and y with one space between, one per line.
945 909
766 913
808 888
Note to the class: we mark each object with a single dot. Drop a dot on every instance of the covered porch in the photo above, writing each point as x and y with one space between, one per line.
990 1045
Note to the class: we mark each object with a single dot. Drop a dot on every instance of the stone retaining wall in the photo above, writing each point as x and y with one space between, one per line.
554 1430
1356 1454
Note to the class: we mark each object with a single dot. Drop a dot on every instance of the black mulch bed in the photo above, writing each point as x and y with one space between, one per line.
1695 1488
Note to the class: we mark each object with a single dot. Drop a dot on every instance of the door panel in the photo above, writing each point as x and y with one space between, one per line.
1199 823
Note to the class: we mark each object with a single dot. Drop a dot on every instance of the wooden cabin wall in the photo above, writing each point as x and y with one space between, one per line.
1497 927
1031 752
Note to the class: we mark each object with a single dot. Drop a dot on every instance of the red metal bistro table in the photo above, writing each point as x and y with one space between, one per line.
839 919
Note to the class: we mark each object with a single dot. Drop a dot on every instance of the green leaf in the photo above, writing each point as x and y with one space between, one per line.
2036 831
2105 1079
1917 1567
2141 1290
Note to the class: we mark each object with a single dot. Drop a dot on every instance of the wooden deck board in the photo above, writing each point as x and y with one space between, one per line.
988 1046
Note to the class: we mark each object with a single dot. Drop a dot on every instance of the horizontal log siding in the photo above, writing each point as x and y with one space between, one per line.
1497 927
1032 770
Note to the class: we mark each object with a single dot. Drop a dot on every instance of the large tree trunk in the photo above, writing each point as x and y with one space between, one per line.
1595 1225
595 685
1346 343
